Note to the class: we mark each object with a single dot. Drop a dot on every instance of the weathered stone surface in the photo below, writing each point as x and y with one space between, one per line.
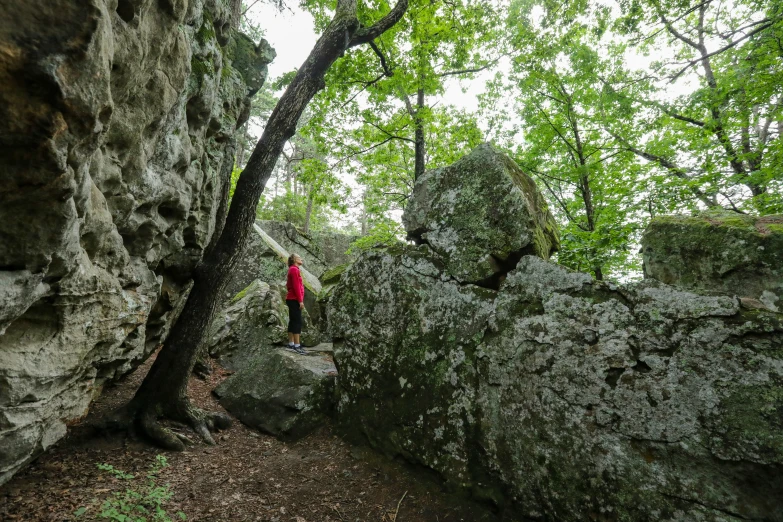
480 214
254 322
329 280
117 140
257 261
281 393
320 251
562 398
646 402
404 346
718 251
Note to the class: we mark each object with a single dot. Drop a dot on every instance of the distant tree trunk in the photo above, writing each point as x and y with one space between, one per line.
309 211
163 393
419 164
364 214
241 145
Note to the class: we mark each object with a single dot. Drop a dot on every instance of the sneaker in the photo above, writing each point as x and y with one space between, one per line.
300 350
292 348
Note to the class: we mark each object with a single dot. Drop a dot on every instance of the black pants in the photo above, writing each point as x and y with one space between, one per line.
294 316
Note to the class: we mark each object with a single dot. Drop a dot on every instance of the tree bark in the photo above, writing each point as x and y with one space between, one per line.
236 13
308 212
163 393
419 164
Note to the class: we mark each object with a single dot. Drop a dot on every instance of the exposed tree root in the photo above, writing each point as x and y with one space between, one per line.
148 420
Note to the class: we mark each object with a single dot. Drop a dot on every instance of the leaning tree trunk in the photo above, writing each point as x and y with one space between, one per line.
163 393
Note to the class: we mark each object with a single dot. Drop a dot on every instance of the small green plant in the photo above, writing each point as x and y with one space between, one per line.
143 503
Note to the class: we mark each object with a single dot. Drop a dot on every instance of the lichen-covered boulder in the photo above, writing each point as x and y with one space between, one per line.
254 322
641 402
562 398
265 259
257 261
404 346
320 250
480 215
329 280
281 393
117 141
718 252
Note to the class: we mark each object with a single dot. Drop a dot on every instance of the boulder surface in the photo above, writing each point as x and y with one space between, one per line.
320 250
558 397
281 393
480 215
719 252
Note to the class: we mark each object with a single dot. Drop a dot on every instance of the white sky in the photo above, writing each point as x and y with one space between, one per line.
290 32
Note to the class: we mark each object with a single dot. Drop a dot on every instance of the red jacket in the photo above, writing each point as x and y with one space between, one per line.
294 284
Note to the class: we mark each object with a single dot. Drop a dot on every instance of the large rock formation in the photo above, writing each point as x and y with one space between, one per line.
265 259
718 251
281 393
559 397
255 321
119 118
480 215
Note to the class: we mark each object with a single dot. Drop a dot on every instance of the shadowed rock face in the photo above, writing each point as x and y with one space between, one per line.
480 215
119 119
281 393
718 251
558 397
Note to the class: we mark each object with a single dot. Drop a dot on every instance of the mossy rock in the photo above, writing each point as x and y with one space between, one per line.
255 321
563 398
718 251
480 215
333 275
281 393
250 59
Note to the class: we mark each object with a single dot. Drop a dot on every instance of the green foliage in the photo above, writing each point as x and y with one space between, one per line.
368 115
708 114
384 233
141 501
613 109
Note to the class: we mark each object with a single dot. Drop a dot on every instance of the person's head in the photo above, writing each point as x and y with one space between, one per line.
294 259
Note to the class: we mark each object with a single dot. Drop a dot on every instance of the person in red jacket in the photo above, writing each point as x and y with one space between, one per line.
295 301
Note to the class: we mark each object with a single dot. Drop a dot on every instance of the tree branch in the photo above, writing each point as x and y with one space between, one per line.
468 71
386 70
389 134
248 8
693 62
368 34
668 165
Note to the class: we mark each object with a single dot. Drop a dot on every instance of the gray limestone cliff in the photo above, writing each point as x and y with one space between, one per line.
119 121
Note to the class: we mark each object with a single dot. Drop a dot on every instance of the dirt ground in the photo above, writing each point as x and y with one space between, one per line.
247 476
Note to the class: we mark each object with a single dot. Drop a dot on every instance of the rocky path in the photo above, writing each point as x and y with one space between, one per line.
247 477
